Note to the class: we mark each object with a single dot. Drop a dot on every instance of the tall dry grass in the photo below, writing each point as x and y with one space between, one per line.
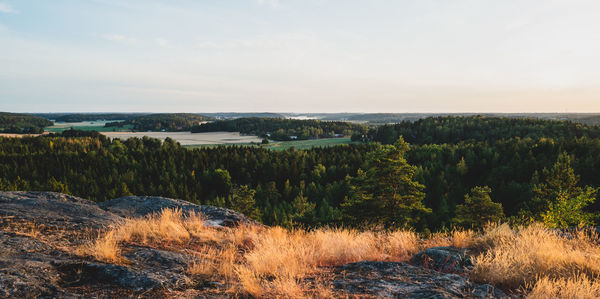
281 260
277 262
531 258
168 226
254 260
575 287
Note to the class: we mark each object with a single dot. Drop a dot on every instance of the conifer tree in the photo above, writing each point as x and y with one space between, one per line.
561 200
478 209
386 193
243 201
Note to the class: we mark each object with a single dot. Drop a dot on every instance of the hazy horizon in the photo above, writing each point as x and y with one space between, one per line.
312 56
288 112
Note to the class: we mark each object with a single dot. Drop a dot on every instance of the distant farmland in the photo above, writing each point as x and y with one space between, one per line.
187 138
85 126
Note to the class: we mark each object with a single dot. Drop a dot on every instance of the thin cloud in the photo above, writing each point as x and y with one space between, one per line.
270 3
7 8
119 38
162 42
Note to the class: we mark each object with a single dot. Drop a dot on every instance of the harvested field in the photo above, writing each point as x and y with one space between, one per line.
187 138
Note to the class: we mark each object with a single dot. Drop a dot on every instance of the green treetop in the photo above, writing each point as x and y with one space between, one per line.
560 201
478 209
386 193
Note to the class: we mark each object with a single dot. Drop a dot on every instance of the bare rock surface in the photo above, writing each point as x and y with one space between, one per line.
40 263
25 268
54 209
401 280
443 259
83 273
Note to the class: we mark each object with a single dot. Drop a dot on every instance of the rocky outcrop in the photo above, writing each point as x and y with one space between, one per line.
443 259
136 206
54 210
31 267
401 280
26 269
41 262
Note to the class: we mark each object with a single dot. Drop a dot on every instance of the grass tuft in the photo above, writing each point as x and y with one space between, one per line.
517 258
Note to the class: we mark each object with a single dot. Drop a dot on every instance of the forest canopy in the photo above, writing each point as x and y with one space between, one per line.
453 129
527 177
171 122
22 123
283 128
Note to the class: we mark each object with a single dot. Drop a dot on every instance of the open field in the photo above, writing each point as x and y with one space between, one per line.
85 126
307 144
187 138
199 140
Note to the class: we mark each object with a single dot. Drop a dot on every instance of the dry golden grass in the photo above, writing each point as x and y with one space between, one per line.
280 260
576 287
462 238
29 229
458 238
277 262
254 260
518 258
168 226
105 248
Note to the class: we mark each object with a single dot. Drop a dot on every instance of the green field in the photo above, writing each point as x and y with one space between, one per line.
307 144
284 145
86 126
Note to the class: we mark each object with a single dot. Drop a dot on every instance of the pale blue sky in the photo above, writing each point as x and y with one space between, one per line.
300 56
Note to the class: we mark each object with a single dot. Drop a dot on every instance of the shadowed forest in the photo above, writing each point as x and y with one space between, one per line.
428 175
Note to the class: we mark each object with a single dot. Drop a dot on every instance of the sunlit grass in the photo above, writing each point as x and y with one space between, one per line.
277 262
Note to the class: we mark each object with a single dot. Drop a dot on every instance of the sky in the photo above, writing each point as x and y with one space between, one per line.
299 56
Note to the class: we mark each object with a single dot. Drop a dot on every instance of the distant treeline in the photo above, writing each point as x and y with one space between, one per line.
79 117
283 129
171 122
313 187
453 129
231 115
22 123
388 118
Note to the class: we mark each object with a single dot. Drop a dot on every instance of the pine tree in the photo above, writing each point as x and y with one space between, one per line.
478 209
560 201
57 186
386 193
304 210
243 201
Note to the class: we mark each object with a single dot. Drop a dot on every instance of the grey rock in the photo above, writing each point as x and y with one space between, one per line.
54 210
443 259
136 206
82 273
26 270
158 259
401 280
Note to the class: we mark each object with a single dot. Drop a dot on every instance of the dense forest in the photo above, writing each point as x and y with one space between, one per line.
390 118
283 129
171 122
515 172
453 129
22 123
